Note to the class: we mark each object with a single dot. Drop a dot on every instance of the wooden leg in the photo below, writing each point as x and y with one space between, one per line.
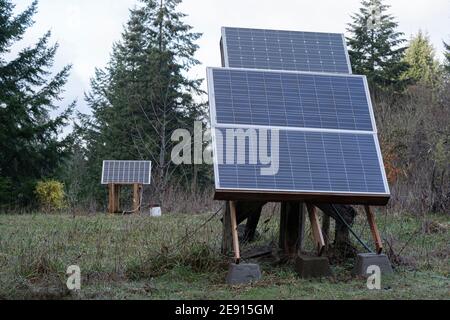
374 229
292 228
136 197
317 231
111 194
227 241
234 231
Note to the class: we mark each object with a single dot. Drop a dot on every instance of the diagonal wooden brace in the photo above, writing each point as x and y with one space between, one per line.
316 229
374 229
234 232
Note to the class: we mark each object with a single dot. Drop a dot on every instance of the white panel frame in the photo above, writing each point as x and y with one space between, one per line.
215 124
225 47
103 182
347 56
212 108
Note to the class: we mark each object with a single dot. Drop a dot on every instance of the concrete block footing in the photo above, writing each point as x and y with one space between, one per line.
313 267
365 260
243 273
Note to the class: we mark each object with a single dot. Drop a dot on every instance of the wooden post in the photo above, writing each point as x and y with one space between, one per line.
234 232
111 202
227 241
136 197
316 230
374 228
292 228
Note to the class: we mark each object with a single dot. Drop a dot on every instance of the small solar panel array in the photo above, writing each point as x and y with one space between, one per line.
301 84
126 172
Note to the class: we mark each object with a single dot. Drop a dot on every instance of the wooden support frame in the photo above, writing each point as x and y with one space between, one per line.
292 228
227 241
137 189
374 229
316 229
234 232
113 197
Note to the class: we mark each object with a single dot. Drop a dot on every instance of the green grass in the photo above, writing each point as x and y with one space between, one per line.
148 258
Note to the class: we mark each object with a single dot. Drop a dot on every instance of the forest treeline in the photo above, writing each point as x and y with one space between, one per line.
145 93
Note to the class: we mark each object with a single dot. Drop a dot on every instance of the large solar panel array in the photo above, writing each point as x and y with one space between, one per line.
328 144
126 172
284 50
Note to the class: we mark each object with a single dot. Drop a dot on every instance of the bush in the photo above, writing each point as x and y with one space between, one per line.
50 195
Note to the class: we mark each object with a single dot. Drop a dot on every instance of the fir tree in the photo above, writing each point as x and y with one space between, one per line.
447 57
376 46
29 144
420 57
144 94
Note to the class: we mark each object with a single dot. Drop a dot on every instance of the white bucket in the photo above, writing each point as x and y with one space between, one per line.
155 212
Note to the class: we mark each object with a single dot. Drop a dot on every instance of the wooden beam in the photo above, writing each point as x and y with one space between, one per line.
350 199
374 228
227 240
316 229
234 231
111 193
292 228
136 197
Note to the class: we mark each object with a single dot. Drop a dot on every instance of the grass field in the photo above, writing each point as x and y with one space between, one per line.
158 258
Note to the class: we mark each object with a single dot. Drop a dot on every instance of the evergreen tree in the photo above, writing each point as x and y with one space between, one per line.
376 46
420 57
29 144
447 57
144 94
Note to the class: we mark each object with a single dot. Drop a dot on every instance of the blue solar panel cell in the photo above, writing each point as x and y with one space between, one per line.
267 98
285 50
308 162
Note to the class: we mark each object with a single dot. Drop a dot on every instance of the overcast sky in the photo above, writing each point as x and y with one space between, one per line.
86 29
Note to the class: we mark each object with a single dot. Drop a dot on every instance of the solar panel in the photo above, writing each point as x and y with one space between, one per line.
328 146
126 172
284 50
290 99
309 162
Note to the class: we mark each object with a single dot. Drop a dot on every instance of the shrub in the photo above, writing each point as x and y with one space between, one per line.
50 195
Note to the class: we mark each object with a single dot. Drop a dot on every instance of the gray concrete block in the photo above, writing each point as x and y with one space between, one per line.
243 273
365 260
313 267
